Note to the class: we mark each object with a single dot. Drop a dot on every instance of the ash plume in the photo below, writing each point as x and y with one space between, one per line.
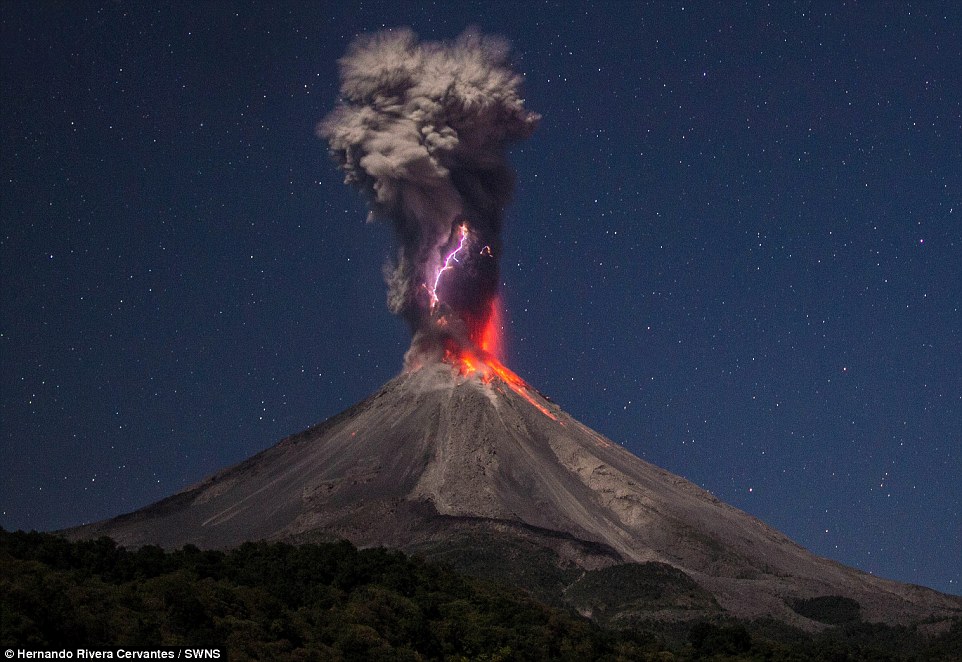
422 130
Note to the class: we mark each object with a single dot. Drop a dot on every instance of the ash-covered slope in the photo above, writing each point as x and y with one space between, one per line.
434 456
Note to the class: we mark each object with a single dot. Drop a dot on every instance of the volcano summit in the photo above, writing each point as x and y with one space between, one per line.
438 462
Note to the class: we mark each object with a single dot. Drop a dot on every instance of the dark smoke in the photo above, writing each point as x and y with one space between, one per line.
422 129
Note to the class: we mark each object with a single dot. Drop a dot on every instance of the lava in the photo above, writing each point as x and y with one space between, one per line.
486 368
489 339
518 385
485 365
480 356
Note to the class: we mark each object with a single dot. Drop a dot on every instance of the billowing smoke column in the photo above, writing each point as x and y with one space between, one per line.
422 130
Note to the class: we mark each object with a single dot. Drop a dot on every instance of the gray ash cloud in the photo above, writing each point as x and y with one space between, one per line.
422 130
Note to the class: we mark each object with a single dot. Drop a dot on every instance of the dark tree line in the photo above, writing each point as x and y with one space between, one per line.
335 602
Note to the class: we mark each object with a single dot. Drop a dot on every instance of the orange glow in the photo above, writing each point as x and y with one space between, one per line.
519 386
483 354
486 368
490 340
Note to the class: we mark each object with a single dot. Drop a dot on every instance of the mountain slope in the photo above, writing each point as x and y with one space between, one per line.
434 458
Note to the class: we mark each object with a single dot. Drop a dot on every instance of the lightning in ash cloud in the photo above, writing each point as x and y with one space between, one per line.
448 265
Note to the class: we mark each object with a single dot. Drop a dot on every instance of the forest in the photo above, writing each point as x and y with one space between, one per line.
275 601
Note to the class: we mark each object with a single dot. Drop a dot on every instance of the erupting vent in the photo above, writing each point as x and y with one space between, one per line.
422 129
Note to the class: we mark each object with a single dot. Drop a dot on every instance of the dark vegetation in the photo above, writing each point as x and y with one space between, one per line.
624 595
831 609
507 559
334 602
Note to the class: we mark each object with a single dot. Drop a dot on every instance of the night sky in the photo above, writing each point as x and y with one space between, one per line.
735 248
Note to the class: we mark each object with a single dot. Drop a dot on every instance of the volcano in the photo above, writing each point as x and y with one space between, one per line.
457 463
459 459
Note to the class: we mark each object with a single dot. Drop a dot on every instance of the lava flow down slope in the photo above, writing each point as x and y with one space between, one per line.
458 458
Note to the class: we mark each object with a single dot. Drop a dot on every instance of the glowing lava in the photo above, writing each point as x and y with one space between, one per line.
489 339
484 363
518 385
487 367
480 355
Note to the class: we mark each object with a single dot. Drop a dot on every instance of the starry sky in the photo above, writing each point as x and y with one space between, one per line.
735 249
